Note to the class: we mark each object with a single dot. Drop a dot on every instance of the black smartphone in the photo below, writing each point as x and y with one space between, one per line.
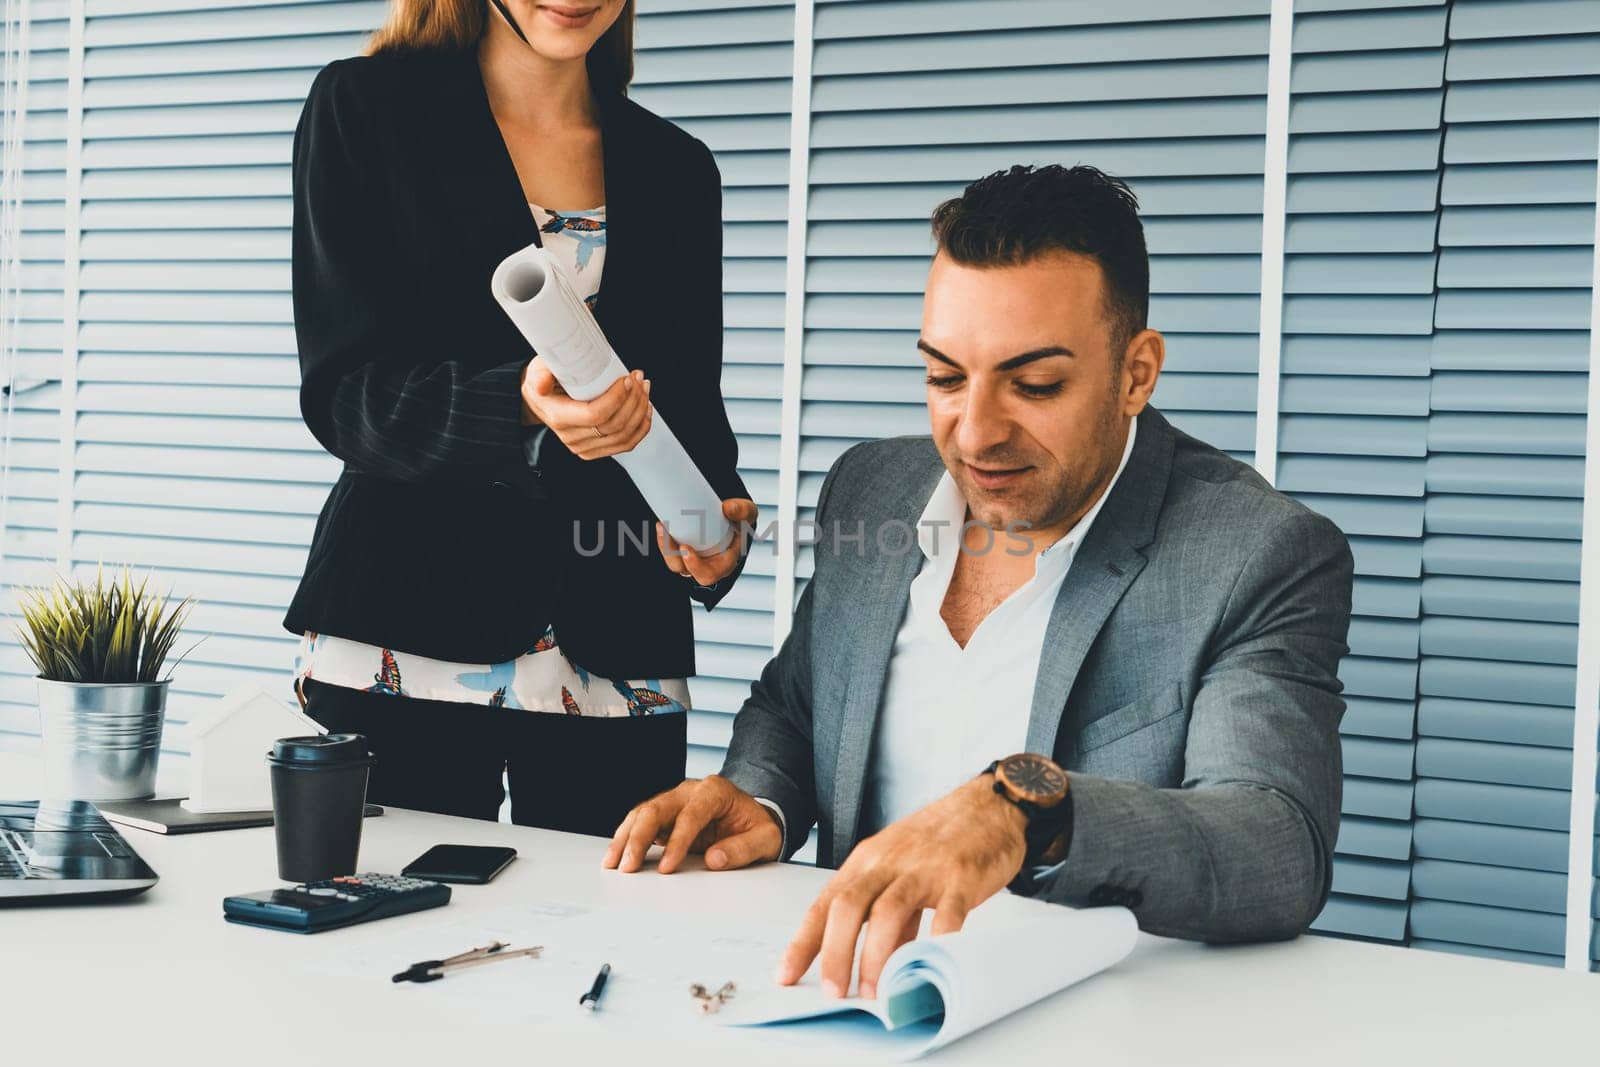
465 864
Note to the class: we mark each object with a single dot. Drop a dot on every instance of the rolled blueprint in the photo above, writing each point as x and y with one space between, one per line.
534 291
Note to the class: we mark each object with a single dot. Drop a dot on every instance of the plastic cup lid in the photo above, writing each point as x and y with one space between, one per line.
320 750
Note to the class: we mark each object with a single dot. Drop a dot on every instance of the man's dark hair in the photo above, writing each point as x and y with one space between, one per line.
1008 217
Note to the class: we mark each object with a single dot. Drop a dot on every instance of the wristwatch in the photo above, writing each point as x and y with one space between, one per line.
1039 787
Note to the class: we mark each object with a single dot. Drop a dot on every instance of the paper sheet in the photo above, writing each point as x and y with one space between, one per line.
654 958
1011 953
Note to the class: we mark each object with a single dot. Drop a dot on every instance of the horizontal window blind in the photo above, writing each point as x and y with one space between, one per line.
913 99
32 437
191 457
190 454
1366 92
721 70
1438 287
1505 478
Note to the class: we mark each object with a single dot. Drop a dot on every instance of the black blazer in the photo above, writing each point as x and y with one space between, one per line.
439 538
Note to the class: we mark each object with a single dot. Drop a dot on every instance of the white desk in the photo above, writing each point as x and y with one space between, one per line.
162 979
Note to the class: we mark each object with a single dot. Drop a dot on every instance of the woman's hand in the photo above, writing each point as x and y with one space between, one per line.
710 568
611 423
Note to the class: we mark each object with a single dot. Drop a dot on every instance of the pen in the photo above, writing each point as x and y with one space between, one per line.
591 999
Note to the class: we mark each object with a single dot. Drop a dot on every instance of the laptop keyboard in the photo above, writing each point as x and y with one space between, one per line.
12 863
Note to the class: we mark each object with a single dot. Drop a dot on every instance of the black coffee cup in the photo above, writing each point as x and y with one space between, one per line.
319 793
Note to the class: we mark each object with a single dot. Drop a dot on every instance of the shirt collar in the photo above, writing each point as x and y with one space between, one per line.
939 528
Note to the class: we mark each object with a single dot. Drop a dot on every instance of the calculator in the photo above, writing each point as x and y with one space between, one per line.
335 902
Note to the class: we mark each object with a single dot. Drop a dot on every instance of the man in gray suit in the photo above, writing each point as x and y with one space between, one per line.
1156 624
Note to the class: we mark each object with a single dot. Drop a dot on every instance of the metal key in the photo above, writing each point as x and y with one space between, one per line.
708 1002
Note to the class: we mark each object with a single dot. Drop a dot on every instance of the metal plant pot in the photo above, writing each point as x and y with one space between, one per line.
101 741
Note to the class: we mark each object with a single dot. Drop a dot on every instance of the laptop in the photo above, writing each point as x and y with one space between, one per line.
60 850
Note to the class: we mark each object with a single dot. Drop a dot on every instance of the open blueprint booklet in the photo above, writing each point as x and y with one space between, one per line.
1011 953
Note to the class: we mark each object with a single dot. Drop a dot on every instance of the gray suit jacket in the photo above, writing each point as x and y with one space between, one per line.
1188 681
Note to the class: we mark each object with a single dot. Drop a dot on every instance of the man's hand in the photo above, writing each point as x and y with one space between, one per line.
712 568
710 815
950 856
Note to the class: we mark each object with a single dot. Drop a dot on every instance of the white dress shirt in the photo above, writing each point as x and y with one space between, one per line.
948 710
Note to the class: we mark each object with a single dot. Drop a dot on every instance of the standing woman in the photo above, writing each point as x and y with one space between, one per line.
486 590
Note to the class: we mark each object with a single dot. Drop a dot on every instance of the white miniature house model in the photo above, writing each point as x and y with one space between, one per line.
228 747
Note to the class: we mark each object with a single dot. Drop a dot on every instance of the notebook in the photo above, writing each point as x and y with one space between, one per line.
166 815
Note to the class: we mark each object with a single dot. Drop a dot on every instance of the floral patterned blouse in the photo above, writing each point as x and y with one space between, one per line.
542 678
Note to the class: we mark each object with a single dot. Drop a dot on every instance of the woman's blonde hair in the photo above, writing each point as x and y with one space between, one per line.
452 25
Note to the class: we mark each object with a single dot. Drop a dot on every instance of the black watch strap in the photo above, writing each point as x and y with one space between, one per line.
1046 827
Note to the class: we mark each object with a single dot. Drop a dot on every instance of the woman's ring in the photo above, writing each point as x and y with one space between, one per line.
597 432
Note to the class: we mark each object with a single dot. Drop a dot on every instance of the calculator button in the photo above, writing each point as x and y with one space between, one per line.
323 891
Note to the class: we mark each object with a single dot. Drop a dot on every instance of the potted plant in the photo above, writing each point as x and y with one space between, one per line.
99 649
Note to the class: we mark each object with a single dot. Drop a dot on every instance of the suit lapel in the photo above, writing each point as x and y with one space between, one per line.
1107 562
486 202
1110 558
1101 573
486 191
620 152
876 627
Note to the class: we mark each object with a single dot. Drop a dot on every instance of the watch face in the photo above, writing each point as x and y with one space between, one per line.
1034 778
